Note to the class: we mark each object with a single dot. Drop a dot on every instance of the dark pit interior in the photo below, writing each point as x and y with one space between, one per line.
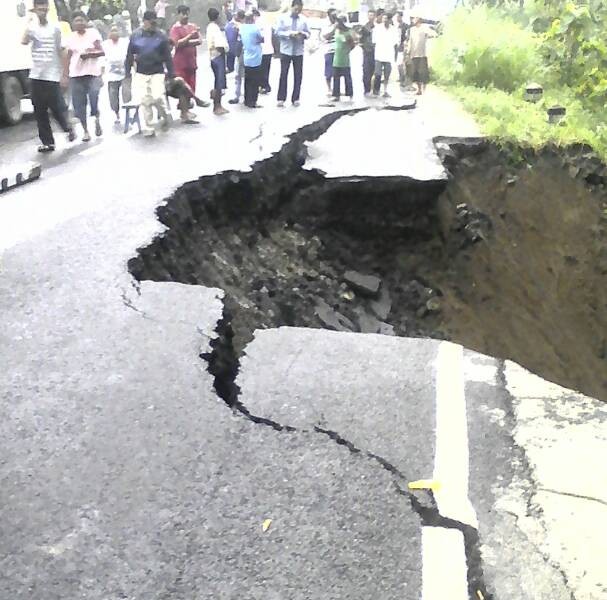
508 258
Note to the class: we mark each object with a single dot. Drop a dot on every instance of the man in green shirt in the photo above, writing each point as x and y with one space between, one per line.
344 42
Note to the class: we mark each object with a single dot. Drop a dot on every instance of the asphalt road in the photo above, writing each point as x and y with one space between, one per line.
123 475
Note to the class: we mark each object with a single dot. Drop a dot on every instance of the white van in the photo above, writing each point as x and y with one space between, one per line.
15 58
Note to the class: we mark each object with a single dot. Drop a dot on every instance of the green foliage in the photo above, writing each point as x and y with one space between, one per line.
560 44
507 118
573 45
482 47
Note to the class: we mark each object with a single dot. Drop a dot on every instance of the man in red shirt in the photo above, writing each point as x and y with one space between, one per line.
185 37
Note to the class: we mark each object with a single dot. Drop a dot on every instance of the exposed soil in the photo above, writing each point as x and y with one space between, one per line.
510 260
535 290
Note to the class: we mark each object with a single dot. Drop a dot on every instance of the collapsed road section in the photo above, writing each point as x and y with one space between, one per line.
507 256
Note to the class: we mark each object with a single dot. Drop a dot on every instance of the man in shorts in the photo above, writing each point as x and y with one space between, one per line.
150 49
418 53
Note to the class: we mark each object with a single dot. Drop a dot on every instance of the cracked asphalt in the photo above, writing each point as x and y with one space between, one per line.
124 476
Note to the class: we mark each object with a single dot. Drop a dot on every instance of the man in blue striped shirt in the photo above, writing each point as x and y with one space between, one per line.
292 30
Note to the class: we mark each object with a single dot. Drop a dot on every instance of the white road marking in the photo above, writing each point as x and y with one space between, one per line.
444 571
451 466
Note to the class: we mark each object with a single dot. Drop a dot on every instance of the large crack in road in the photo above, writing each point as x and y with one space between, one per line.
386 255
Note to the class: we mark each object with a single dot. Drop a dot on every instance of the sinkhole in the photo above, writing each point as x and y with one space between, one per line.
507 257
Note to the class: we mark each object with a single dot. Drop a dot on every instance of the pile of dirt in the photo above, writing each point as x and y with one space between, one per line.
509 260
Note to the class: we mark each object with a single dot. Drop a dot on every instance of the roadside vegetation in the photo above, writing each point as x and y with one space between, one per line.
488 55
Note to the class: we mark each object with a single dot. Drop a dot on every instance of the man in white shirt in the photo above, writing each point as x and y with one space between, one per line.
47 75
386 39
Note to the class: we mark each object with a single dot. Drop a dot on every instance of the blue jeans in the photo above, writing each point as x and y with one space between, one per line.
218 65
338 73
380 67
85 90
329 65
239 76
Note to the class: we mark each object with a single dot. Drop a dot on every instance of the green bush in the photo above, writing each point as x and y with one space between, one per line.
508 118
482 47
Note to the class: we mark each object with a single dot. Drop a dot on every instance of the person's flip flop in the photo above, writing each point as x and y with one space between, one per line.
46 148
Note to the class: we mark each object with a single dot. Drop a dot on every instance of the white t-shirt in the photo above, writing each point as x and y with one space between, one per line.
115 55
215 39
385 38
46 52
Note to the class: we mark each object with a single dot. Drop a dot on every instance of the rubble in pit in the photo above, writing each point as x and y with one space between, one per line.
483 260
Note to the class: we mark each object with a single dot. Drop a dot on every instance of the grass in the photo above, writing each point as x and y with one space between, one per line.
485 58
507 118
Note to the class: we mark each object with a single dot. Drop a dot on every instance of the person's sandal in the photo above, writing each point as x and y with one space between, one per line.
86 137
98 130
44 148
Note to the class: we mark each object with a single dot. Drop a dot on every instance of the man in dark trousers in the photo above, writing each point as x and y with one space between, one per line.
48 75
292 30
368 48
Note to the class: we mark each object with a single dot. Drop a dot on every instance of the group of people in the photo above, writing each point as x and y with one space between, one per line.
151 66
383 38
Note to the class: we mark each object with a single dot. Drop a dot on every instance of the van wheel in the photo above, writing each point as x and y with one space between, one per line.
11 93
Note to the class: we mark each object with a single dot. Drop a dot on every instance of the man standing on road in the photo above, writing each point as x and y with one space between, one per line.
252 39
344 42
86 65
386 39
217 43
418 54
150 49
328 36
366 43
185 37
293 31
47 75
115 49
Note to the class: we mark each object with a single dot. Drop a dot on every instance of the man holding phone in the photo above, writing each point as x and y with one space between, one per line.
292 30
